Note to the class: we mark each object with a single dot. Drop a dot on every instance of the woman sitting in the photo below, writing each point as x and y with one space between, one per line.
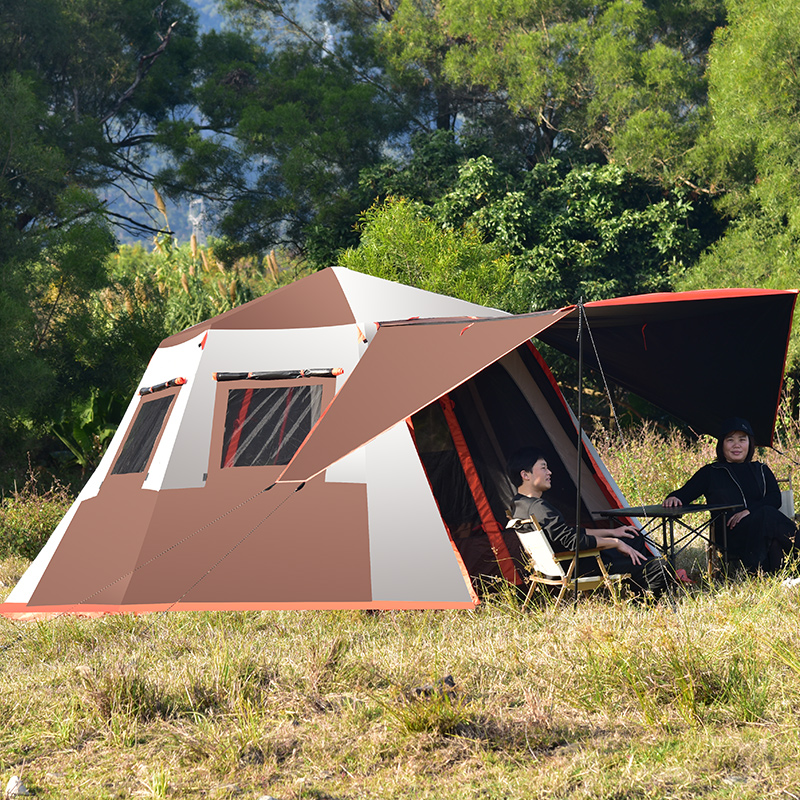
758 535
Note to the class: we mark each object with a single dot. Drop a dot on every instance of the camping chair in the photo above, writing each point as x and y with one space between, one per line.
548 566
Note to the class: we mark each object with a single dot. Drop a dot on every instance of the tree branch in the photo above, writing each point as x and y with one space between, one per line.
145 64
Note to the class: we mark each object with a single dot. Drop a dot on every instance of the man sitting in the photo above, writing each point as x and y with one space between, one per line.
624 547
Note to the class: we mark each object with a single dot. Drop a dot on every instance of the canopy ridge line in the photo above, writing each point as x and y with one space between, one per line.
75 607
632 473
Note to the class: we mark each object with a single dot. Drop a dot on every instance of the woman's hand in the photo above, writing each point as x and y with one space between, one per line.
672 502
738 517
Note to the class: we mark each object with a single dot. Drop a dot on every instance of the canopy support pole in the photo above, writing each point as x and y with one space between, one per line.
579 450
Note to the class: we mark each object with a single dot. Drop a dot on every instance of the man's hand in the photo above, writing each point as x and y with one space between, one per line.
672 502
624 532
633 555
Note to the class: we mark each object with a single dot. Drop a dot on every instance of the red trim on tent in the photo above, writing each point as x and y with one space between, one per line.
459 559
672 297
490 525
22 612
233 444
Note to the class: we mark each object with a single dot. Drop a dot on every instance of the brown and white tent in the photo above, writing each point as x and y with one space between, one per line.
340 443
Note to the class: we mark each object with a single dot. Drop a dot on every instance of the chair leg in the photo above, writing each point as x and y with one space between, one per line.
561 594
529 594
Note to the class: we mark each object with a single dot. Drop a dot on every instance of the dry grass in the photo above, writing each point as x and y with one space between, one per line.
600 700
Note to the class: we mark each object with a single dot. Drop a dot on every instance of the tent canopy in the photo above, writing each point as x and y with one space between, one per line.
702 356
408 365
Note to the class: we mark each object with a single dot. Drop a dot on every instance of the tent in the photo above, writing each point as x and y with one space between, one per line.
338 443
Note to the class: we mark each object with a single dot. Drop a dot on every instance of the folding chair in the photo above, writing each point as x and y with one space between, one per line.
547 566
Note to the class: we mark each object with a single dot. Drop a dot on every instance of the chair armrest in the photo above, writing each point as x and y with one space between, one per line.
595 551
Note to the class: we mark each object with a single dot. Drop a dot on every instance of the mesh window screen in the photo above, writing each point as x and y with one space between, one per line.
267 426
142 437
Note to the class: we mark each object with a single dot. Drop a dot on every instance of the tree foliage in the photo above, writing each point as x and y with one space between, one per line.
81 85
752 151
524 154
587 231
400 243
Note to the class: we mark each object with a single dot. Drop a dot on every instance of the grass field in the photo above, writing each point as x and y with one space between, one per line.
699 698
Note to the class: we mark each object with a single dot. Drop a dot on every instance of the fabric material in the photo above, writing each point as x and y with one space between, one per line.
657 345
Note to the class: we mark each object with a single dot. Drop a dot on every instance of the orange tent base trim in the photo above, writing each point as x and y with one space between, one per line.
20 611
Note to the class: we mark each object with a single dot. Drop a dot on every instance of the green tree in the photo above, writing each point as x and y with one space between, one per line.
593 232
751 155
615 80
587 231
82 86
287 117
400 243
301 118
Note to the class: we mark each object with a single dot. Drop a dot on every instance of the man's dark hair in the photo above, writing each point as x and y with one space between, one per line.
523 459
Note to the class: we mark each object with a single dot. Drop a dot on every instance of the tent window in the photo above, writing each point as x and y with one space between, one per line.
139 445
266 426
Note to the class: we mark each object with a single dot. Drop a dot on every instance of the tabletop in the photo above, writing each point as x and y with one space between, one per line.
662 511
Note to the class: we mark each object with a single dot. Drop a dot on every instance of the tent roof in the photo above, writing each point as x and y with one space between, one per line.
702 356
335 296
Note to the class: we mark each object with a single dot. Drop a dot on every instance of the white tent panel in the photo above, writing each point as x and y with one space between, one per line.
180 361
376 299
350 469
411 556
564 445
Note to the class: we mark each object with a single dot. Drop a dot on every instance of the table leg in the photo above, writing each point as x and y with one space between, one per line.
672 541
718 555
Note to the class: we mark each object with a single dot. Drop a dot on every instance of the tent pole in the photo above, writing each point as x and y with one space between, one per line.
576 569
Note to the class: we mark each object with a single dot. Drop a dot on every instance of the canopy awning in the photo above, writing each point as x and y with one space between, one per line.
408 365
702 356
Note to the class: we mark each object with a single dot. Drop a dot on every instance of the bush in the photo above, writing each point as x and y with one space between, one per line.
30 515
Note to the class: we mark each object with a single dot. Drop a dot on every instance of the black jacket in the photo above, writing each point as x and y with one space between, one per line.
751 484
561 535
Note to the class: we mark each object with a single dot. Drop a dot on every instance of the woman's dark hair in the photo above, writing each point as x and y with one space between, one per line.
730 426
523 459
